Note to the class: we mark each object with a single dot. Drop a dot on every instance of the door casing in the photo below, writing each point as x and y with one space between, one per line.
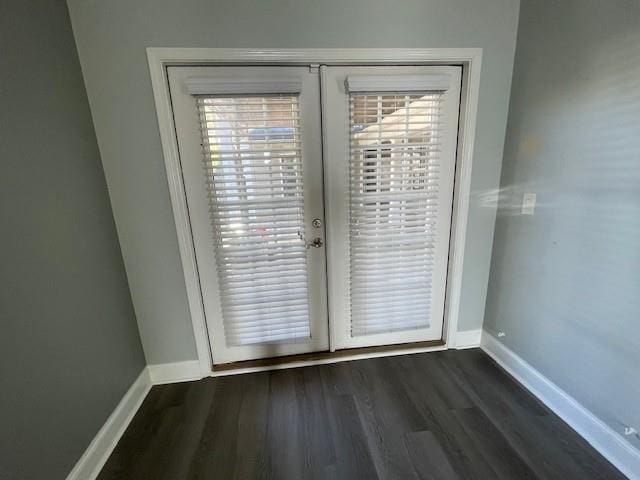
469 58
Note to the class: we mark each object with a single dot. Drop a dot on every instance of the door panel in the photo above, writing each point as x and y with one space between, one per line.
390 138
249 140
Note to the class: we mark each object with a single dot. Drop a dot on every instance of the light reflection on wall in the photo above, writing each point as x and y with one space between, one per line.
565 282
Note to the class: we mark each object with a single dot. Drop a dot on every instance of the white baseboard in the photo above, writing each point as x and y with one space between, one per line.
98 451
468 339
175 372
602 437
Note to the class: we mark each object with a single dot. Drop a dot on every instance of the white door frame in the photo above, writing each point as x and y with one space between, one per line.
470 59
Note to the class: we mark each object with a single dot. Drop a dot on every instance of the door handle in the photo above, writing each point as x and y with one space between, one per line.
315 243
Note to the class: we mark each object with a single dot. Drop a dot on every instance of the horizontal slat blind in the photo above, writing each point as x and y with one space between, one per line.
253 168
394 165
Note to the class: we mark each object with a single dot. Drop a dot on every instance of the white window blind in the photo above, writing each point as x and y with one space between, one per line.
253 166
394 165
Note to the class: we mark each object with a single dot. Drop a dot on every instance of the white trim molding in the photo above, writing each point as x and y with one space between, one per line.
602 437
470 59
175 372
468 339
98 451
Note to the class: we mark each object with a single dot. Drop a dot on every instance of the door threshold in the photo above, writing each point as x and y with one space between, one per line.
319 358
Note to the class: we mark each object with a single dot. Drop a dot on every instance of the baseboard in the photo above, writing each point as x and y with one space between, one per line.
468 339
175 372
95 456
602 437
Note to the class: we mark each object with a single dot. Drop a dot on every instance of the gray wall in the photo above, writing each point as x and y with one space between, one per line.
69 344
565 283
112 37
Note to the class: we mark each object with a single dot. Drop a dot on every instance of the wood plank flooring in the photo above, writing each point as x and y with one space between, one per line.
438 416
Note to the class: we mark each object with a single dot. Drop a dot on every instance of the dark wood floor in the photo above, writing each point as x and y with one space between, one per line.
441 416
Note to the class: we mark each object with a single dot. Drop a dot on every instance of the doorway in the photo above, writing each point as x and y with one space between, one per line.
264 155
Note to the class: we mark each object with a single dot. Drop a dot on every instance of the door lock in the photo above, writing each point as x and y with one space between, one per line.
315 243
317 223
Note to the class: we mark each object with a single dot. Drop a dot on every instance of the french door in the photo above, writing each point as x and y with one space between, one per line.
264 155
251 155
391 135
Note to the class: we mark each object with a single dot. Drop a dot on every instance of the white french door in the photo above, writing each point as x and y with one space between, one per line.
251 148
390 149
251 155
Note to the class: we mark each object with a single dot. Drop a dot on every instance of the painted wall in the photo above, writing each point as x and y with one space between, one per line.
565 282
69 344
112 37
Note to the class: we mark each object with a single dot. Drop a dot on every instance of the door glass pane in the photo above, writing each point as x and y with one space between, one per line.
394 183
253 166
